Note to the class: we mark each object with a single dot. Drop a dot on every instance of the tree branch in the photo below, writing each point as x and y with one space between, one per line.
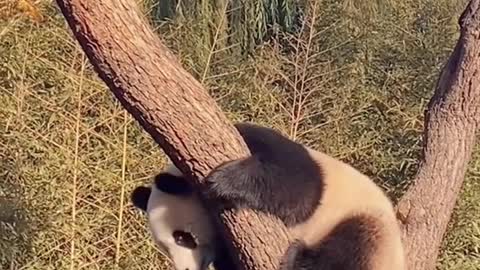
173 108
451 122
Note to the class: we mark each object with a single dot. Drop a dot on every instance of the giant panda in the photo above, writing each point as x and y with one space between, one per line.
179 222
339 218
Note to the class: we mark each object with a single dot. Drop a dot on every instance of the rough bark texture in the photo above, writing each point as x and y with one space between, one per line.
173 108
450 126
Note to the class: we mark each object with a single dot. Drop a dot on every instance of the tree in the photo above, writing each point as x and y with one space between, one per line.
174 108
451 122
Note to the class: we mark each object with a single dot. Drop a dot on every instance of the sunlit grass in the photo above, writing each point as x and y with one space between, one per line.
354 87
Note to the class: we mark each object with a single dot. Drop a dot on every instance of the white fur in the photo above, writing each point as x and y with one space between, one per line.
167 213
347 193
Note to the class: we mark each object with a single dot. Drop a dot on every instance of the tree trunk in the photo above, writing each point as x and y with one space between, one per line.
173 108
182 118
450 127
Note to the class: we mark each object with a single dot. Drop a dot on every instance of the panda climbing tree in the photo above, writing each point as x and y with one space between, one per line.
165 101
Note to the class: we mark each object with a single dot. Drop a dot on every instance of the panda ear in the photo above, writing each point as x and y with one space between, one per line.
140 196
174 185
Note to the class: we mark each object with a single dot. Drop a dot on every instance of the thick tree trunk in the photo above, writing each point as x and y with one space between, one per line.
450 127
173 108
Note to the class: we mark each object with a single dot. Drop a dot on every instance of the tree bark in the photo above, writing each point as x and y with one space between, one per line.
183 119
174 109
451 122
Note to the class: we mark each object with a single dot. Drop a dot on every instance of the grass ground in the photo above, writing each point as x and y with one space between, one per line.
70 155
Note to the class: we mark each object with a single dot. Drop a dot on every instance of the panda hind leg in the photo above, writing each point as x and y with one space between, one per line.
300 257
350 246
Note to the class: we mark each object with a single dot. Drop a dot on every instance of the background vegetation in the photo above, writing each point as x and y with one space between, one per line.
352 80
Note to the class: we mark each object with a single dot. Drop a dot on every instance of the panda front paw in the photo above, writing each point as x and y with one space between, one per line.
229 183
216 190
217 183
210 192
291 255
232 194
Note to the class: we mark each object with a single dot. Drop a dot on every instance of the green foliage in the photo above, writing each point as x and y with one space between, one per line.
247 23
353 81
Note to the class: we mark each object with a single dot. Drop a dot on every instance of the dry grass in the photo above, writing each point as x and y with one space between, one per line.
70 155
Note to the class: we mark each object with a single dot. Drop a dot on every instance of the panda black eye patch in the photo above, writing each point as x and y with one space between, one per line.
184 239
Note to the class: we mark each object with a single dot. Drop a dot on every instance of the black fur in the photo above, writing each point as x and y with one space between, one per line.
223 260
174 185
140 197
165 182
348 247
291 255
180 186
279 177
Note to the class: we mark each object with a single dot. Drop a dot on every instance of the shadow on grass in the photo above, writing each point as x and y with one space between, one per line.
16 230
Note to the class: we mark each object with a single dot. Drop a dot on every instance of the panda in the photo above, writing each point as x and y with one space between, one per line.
179 222
339 218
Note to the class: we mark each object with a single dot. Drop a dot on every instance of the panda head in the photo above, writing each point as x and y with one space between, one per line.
179 222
